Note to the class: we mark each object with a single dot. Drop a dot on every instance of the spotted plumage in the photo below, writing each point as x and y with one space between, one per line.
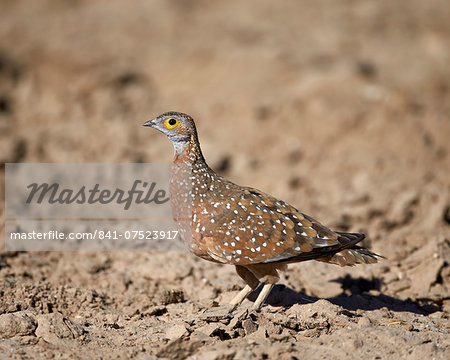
242 226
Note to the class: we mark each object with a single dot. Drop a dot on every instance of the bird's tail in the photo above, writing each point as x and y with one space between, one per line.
352 255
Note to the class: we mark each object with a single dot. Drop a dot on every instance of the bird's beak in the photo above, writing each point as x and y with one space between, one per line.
150 123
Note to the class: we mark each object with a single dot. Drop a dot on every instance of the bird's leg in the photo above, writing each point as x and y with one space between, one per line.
268 275
263 295
252 284
240 297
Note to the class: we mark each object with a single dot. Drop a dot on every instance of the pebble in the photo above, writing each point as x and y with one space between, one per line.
364 322
18 323
176 332
249 326
171 296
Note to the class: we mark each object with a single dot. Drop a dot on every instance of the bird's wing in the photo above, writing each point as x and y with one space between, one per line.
252 227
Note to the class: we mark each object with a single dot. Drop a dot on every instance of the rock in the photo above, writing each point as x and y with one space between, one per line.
315 318
258 336
17 324
54 328
236 321
437 315
364 322
171 296
249 326
208 329
216 314
176 332
156 310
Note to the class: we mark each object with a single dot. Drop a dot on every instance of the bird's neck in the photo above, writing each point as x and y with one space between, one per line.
188 152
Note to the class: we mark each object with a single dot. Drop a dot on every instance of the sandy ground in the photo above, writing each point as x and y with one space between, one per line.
338 107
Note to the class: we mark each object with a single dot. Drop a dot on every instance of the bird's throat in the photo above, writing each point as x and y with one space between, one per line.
187 152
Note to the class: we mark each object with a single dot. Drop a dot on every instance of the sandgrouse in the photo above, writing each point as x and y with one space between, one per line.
243 226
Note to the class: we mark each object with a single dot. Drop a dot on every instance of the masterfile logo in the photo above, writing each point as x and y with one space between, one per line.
99 191
94 207
140 192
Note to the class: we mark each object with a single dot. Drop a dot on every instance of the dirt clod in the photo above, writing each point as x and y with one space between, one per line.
19 323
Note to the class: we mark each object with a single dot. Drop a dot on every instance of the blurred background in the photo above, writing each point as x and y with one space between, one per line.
341 108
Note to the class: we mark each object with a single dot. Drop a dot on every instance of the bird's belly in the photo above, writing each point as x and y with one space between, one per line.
195 241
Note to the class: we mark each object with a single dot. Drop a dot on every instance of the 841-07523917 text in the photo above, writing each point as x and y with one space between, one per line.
96 234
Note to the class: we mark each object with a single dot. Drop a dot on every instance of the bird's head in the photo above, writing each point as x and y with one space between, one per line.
178 127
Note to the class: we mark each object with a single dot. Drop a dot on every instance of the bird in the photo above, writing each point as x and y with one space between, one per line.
243 226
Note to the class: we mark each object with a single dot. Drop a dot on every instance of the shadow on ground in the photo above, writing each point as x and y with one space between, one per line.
354 297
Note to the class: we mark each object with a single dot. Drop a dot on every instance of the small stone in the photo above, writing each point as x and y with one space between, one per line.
386 313
237 319
235 323
176 332
156 310
171 296
17 324
54 328
258 336
208 329
437 315
215 315
249 326
364 322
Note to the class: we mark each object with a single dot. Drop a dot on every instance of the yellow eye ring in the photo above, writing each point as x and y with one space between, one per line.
171 123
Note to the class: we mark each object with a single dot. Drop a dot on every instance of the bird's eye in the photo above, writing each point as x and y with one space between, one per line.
171 123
